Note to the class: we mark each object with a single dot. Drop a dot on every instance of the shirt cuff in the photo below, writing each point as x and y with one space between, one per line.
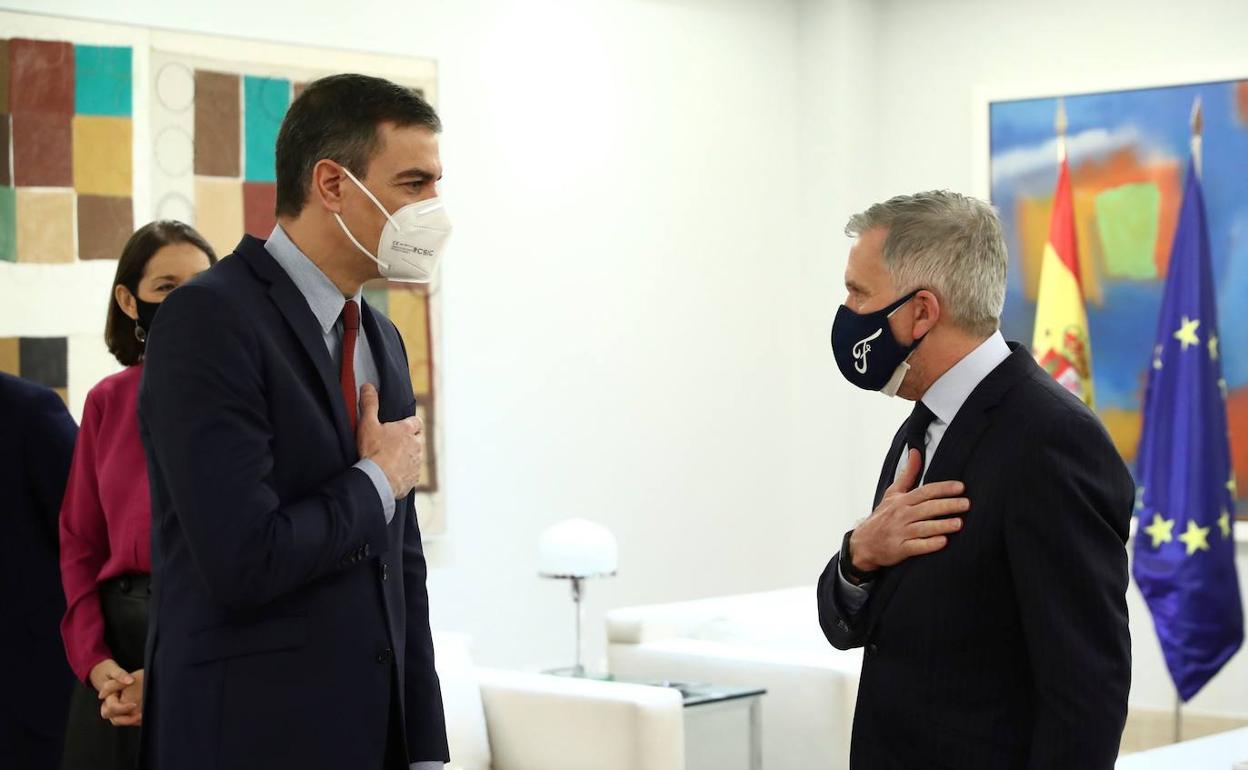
852 597
384 490
427 766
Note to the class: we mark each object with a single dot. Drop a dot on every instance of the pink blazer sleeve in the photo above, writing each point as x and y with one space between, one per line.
84 550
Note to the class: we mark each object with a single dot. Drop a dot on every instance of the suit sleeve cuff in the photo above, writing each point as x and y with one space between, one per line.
852 597
384 491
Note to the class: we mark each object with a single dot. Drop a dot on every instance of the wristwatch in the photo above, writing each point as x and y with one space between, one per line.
852 573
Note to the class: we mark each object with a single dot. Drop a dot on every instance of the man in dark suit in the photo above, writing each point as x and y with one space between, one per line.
988 585
34 464
290 618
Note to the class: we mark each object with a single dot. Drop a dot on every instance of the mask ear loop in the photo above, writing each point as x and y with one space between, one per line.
899 374
376 202
347 230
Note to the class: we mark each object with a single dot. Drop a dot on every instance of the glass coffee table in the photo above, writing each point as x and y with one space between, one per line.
723 723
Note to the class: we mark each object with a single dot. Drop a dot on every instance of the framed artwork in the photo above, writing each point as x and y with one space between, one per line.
105 127
1128 151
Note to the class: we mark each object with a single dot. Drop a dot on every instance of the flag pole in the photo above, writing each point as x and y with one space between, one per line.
1178 718
1059 127
1198 126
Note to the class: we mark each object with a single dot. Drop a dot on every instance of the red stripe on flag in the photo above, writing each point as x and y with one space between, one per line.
1062 224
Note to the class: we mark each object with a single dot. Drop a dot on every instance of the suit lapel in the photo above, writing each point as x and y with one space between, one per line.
391 394
955 449
294 308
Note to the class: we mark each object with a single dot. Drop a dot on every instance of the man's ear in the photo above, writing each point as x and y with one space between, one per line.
125 300
327 181
926 312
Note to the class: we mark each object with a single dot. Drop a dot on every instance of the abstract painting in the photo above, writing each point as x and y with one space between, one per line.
1128 152
215 127
44 360
66 171
104 127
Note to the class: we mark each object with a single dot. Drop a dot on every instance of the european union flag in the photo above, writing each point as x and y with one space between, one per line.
1184 544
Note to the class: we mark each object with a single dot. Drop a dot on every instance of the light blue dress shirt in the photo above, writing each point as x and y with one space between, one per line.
326 303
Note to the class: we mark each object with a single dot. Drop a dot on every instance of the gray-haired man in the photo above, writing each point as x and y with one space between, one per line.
988 584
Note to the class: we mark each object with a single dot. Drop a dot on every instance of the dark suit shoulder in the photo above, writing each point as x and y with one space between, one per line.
1049 412
21 396
219 294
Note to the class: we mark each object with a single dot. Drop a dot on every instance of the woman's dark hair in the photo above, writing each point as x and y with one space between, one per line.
147 240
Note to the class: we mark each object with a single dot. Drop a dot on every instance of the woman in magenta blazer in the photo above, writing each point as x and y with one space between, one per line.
105 526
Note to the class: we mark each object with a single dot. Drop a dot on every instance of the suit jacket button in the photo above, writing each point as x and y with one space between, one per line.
872 649
384 656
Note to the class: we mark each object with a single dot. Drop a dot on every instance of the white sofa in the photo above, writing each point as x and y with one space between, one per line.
770 640
506 720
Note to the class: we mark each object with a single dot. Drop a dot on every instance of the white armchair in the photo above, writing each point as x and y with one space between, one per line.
770 640
506 720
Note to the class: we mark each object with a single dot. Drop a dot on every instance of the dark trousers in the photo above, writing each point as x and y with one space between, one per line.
396 737
91 743
25 748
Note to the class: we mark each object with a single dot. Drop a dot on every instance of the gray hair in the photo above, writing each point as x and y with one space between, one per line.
948 243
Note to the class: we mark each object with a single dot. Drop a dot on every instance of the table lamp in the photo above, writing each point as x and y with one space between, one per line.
575 550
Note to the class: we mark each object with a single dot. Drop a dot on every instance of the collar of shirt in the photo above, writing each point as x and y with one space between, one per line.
947 395
322 296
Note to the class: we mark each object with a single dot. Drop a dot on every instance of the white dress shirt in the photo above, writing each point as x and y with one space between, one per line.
945 398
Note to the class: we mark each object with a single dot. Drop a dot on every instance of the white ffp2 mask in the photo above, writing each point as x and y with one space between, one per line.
412 240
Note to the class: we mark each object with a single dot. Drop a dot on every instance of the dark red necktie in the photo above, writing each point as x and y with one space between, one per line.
350 331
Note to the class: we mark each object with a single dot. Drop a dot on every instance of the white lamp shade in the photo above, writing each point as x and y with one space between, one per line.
577 548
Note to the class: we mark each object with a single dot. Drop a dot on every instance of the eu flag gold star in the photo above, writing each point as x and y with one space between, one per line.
1213 347
1187 333
1161 530
1195 538
1224 524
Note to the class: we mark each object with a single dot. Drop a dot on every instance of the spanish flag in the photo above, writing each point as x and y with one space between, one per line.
1060 342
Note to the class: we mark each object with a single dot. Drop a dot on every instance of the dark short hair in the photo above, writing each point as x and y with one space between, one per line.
336 118
138 251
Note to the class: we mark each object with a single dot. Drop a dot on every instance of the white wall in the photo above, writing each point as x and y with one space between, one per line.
619 316
933 55
649 196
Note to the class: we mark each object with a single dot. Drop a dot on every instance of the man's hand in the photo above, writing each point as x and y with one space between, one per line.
907 522
125 709
397 447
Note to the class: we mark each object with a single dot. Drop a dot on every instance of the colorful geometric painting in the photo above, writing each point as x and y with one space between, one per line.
214 165
44 360
104 127
1128 151
408 306
66 157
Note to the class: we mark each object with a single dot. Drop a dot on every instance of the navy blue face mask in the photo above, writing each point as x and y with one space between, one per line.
147 316
866 351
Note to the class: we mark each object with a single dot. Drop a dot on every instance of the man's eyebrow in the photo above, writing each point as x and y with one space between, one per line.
414 173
